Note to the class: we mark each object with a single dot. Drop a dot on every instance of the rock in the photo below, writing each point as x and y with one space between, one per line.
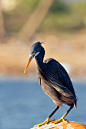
62 125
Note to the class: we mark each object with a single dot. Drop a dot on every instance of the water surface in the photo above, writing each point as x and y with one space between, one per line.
23 104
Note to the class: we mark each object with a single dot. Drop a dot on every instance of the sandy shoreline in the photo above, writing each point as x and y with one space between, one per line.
69 50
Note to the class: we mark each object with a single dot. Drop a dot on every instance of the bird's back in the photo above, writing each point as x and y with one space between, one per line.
54 76
61 74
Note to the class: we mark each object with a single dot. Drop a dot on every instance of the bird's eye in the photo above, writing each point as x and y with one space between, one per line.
34 52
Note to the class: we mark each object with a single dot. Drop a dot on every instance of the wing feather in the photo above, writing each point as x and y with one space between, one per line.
59 79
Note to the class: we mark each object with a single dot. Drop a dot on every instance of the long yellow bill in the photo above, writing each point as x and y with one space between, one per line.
28 64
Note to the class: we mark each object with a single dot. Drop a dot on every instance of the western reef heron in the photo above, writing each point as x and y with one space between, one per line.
54 81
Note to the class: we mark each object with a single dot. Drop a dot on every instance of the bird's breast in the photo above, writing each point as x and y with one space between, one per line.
42 73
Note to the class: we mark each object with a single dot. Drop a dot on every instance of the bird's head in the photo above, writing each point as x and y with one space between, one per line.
35 50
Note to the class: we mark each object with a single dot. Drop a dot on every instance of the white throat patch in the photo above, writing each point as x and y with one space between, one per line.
36 54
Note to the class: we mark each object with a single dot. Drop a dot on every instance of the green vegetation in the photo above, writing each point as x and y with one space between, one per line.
61 16
59 7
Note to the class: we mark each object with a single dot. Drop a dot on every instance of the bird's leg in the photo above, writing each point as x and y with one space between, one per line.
48 119
53 113
62 118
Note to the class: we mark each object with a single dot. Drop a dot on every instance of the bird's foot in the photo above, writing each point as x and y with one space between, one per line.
45 122
59 120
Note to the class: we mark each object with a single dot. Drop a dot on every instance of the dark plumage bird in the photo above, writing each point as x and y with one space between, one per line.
54 81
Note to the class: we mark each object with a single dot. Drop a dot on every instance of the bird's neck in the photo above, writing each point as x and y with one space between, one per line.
39 60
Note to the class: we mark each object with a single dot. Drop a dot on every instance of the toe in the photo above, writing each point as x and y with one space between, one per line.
45 122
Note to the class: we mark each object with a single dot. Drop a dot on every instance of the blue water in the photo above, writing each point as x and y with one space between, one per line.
23 104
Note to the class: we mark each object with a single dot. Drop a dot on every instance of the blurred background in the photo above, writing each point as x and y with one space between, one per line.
61 25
